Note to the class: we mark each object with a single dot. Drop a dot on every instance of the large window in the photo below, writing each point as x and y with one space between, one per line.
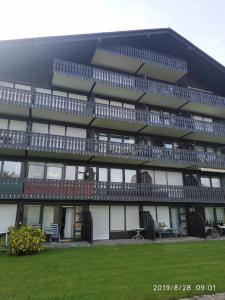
210 181
11 169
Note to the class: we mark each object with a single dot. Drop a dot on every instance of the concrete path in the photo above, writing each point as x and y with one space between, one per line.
220 296
70 244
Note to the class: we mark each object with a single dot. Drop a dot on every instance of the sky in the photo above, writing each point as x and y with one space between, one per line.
200 21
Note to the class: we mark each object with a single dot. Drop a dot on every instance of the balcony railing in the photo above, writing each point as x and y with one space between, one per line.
101 76
19 140
95 110
147 56
103 191
15 96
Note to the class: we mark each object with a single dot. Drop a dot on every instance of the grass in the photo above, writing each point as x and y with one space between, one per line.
113 272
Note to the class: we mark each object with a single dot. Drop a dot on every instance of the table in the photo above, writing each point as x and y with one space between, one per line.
138 235
6 237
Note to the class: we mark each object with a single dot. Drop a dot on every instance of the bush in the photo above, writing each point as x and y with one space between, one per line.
26 240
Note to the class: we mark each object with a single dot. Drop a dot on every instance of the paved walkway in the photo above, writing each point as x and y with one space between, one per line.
70 244
220 296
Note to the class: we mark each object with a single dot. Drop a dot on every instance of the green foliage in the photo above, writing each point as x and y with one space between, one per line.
26 240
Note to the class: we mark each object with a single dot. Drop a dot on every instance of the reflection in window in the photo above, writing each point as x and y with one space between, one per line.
11 169
130 176
116 175
36 170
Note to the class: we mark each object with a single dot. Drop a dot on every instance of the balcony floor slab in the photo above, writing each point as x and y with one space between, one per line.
117 124
64 117
72 82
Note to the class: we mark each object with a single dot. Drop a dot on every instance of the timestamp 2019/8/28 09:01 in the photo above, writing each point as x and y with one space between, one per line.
184 287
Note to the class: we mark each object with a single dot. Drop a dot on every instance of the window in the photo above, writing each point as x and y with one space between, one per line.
130 176
78 97
11 169
116 175
70 173
103 174
129 140
23 87
54 172
50 215
215 182
205 181
40 128
209 214
80 172
220 215
17 125
6 84
76 132
31 215
3 123
57 130
43 91
36 170
59 93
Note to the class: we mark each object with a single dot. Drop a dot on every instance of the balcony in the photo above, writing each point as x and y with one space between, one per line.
83 149
145 62
15 101
51 107
98 81
103 191
13 142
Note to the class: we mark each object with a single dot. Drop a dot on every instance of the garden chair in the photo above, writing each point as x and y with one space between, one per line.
54 232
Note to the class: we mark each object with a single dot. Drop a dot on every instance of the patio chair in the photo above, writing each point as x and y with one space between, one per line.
54 232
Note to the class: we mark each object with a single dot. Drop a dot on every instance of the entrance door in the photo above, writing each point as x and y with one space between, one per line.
100 216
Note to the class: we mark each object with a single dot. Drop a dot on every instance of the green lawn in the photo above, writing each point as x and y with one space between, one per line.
113 272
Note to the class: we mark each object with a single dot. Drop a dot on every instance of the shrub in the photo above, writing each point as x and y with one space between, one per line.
26 240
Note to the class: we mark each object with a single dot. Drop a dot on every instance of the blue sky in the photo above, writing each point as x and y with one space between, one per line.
200 21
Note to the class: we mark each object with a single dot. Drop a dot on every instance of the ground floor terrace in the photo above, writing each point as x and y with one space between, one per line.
93 221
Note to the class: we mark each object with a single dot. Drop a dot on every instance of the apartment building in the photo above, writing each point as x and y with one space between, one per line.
103 133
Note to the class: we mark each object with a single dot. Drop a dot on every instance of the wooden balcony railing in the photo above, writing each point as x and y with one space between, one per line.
38 189
31 141
147 56
119 80
81 108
